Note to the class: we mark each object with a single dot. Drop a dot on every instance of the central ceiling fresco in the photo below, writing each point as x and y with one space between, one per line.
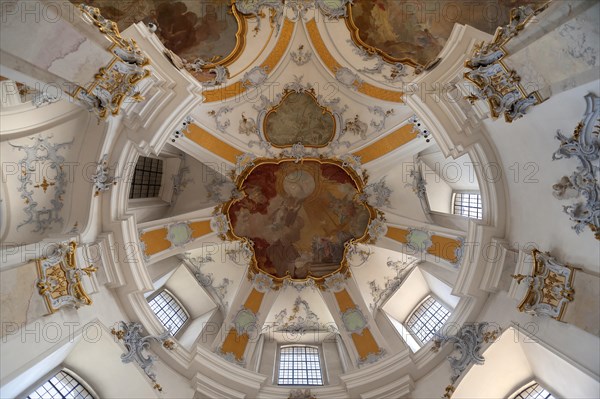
299 215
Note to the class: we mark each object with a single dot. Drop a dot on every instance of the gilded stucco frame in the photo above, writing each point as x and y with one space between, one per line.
253 268
240 40
355 36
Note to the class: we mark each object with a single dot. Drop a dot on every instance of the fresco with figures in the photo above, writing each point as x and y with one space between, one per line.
299 216
191 29
415 31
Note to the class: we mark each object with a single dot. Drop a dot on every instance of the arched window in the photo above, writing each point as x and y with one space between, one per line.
427 319
299 365
534 391
169 311
61 385
147 178
467 204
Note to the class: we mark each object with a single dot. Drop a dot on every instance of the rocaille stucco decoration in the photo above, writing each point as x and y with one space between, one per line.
103 179
300 320
117 80
380 294
468 342
583 184
549 287
137 346
217 291
493 81
59 279
332 9
42 176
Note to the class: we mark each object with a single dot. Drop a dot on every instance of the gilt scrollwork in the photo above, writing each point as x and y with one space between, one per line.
60 280
117 80
493 81
549 287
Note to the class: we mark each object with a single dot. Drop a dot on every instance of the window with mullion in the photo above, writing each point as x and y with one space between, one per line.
427 319
468 204
147 178
299 365
61 386
169 311
534 391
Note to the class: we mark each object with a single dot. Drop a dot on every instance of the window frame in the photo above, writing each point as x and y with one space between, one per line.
421 302
161 184
35 386
322 364
518 392
453 201
156 293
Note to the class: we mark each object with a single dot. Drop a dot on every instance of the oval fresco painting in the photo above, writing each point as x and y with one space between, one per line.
415 32
211 30
299 217
298 118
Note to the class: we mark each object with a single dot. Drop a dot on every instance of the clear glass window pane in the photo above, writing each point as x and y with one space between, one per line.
147 178
468 204
534 391
168 311
61 386
427 319
299 365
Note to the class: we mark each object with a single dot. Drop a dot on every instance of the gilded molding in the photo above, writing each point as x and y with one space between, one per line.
115 81
59 279
550 287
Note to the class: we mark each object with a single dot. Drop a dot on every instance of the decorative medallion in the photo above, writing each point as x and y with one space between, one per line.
299 119
179 234
245 320
354 320
299 218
